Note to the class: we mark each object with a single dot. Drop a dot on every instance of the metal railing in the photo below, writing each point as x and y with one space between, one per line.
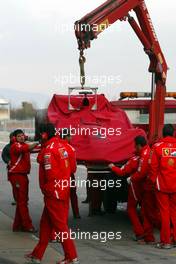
28 126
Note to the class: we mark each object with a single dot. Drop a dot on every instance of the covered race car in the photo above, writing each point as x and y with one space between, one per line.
99 136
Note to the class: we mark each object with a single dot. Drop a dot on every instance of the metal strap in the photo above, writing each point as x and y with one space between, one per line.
82 61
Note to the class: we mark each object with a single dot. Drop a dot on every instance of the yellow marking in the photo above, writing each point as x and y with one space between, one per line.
171 162
160 58
66 163
103 25
173 254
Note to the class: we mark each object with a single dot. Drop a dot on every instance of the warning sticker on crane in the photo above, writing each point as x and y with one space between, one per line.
103 25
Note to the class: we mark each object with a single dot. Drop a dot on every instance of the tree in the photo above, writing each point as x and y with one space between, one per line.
27 111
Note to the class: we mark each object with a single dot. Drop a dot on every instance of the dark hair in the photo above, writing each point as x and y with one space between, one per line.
65 132
11 134
42 128
17 132
168 130
140 140
48 128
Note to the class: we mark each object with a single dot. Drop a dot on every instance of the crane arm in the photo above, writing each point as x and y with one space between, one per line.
90 26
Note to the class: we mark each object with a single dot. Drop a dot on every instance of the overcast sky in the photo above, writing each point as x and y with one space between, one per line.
38 48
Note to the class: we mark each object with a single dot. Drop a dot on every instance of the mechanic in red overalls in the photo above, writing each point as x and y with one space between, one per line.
65 138
150 210
18 170
134 195
163 176
142 189
55 170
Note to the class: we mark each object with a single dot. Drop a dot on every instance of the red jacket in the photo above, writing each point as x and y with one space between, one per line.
163 165
42 179
72 155
141 175
129 168
19 158
55 169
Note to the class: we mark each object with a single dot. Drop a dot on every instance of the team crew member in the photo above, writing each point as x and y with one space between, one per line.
148 201
134 195
66 137
163 175
55 170
18 170
6 158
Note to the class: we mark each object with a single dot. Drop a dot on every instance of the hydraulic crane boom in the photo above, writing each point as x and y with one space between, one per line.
91 25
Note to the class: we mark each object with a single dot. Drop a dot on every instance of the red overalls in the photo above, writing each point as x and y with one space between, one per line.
54 173
18 170
73 195
163 175
134 194
148 198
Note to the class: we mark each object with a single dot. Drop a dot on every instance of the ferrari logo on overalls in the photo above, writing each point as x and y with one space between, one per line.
166 152
169 152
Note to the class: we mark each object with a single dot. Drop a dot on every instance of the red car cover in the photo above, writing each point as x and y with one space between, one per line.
103 135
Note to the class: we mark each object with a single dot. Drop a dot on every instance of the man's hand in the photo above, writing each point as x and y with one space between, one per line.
129 180
111 165
33 145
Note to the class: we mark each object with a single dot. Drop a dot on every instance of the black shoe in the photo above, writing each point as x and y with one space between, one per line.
30 230
136 238
77 216
174 244
53 241
139 239
31 260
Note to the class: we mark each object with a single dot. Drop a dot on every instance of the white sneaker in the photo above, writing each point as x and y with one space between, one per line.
31 260
66 261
